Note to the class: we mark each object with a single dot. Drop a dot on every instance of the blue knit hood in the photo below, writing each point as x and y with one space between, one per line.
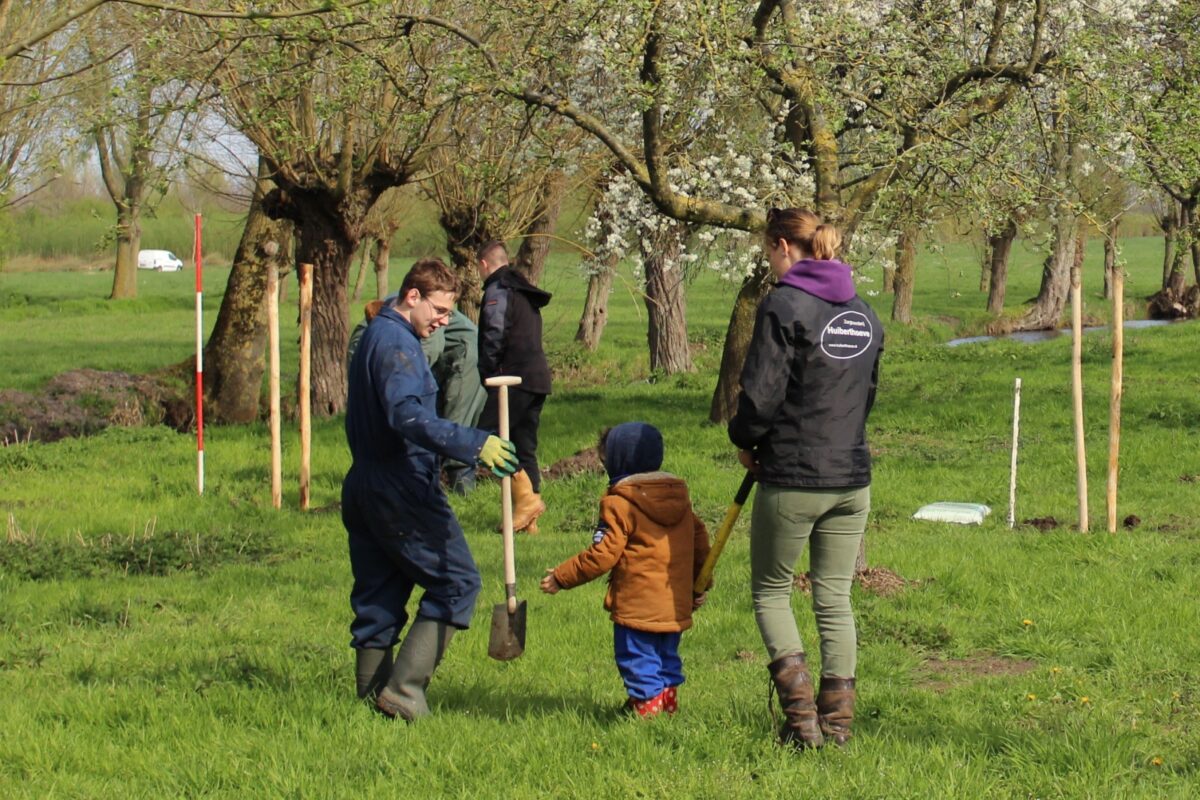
630 448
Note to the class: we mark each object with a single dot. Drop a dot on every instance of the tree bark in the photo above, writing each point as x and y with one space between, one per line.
595 307
360 278
889 280
906 272
329 225
1192 233
234 354
535 246
129 242
1110 255
985 264
1047 309
1169 224
999 249
464 235
1176 281
666 302
383 258
737 343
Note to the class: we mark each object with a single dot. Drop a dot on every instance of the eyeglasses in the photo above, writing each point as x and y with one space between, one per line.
438 311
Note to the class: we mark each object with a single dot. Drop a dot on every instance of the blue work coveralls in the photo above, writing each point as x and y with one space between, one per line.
402 531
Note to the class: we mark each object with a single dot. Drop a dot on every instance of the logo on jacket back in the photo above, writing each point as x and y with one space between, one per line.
848 335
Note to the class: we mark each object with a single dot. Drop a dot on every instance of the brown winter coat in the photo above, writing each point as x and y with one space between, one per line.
654 545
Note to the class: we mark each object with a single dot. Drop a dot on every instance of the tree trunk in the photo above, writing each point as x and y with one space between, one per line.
666 302
1176 282
1047 309
383 258
906 273
1192 233
1046 312
1169 224
329 225
330 252
595 307
999 249
985 264
129 242
889 279
361 277
464 234
1110 254
234 354
737 343
531 257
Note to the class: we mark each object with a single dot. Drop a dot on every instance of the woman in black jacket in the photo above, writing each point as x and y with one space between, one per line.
808 385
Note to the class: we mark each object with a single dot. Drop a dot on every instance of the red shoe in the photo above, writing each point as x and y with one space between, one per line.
649 708
670 697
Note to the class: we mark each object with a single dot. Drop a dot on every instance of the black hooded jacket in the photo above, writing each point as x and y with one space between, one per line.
808 385
510 330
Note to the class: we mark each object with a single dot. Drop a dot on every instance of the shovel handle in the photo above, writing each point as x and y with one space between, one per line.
704 579
502 382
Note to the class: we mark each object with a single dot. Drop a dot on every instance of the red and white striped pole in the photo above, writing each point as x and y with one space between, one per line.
197 257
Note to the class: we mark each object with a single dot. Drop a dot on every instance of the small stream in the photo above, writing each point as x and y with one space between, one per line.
1043 336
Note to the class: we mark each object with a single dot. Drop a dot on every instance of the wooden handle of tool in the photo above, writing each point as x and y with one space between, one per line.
510 556
704 579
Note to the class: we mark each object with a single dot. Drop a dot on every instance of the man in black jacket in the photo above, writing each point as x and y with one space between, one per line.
510 343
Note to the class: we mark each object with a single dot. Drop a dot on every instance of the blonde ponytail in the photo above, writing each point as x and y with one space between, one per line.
825 242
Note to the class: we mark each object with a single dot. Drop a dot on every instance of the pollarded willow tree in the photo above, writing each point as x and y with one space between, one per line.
499 171
842 98
340 113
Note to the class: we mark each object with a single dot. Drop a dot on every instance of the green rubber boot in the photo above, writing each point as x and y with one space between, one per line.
372 667
419 656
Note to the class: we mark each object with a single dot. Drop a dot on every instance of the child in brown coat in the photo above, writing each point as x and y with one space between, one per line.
654 545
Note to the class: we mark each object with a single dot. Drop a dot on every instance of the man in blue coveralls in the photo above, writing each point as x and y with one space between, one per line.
401 529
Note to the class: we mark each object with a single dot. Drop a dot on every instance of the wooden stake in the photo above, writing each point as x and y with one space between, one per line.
273 337
306 292
1077 392
1114 408
1012 479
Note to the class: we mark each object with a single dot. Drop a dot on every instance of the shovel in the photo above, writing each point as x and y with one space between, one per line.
508 618
704 579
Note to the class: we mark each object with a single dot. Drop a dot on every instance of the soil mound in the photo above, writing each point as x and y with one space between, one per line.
86 401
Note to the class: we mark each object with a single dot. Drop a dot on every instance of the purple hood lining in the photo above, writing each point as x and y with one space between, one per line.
829 280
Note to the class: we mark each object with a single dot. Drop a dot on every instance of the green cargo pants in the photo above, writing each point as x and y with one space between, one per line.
783 520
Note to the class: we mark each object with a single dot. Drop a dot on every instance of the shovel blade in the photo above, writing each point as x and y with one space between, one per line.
508 632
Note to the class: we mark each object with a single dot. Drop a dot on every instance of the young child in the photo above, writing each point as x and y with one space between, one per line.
654 544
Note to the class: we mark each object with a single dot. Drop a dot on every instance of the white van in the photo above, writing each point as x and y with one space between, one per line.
159 260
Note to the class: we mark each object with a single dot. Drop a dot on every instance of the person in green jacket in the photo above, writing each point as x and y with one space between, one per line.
461 395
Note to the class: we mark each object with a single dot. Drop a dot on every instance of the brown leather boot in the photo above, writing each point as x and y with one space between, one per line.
835 707
800 727
527 506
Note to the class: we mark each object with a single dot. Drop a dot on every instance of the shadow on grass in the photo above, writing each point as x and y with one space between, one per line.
485 699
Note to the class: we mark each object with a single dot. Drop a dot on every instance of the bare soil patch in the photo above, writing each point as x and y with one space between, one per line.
585 462
876 580
1041 523
86 401
941 674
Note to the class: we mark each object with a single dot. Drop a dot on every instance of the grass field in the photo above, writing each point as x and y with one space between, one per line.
158 644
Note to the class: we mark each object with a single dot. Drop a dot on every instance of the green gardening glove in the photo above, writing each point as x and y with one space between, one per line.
500 456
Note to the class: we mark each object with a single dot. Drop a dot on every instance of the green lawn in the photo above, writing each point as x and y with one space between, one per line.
158 644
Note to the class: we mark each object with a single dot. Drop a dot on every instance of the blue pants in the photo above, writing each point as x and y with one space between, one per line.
648 662
387 564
